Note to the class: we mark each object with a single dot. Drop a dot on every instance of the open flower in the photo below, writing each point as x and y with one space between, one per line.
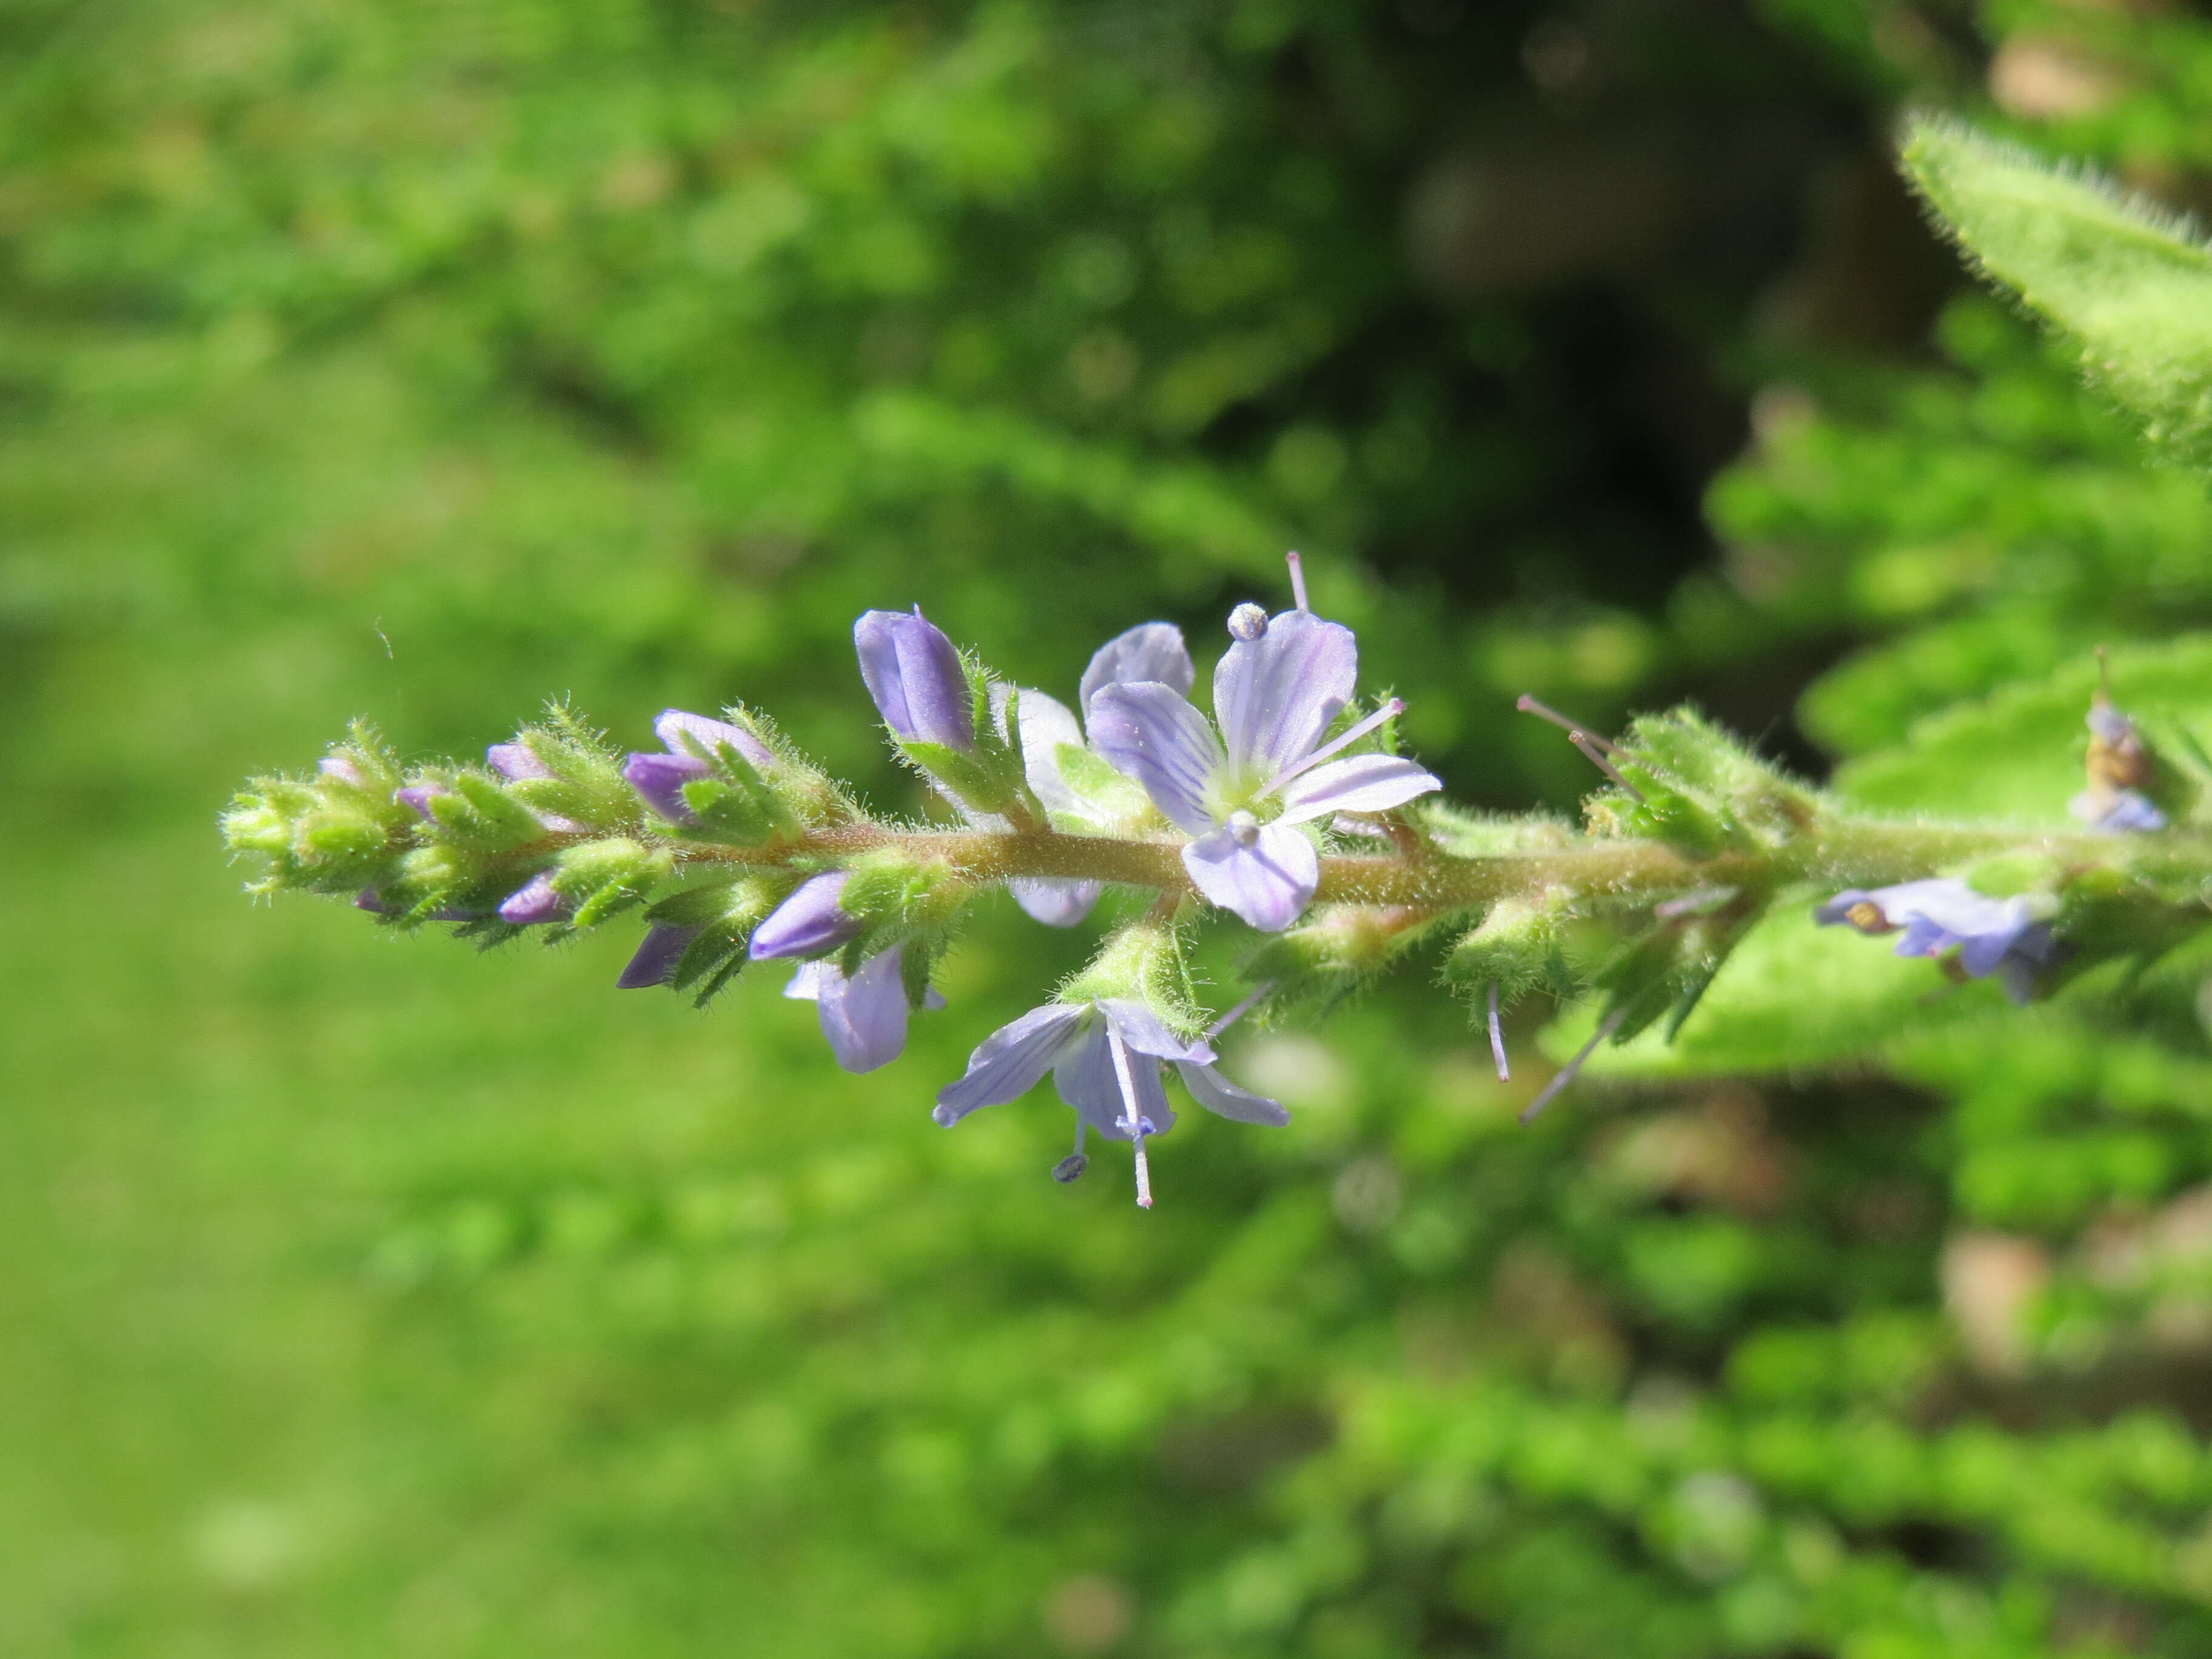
1053 739
2007 937
1108 1058
689 738
1241 793
863 1014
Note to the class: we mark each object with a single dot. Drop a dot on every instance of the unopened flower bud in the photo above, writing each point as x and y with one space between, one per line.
1247 621
808 923
659 779
419 796
656 959
913 673
341 768
514 762
540 901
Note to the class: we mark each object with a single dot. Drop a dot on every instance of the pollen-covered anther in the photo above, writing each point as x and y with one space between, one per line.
1866 915
1071 1168
1243 828
1248 623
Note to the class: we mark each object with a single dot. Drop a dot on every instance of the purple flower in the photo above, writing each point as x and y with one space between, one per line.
809 923
863 1016
2006 937
537 902
689 739
1281 682
2119 810
913 673
657 957
1087 1047
1151 652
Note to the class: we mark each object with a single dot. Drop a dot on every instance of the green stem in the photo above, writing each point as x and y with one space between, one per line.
1844 854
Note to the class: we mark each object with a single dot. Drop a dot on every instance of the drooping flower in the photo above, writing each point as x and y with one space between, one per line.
1088 1047
2010 937
1052 737
913 672
1241 793
689 738
863 1016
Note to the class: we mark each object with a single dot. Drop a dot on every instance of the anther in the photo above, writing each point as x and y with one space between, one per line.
1070 1167
1246 622
1866 915
1243 828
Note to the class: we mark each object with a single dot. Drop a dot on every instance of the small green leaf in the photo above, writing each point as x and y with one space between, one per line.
2128 282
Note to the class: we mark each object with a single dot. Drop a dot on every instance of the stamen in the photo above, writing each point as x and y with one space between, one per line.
1248 623
1588 744
1239 1011
1071 1167
1243 828
1137 1124
1528 705
1389 710
1297 578
1498 1038
1573 1067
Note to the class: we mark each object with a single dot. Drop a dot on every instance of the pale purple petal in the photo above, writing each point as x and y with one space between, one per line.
1144 1032
1088 1081
656 959
537 902
809 923
514 762
419 796
807 980
1225 1099
1150 732
1980 954
1363 783
1008 1063
1054 902
1046 728
1150 651
864 1016
913 673
681 733
659 780
1276 695
1267 883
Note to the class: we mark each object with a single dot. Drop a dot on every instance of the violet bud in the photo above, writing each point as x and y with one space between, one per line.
419 796
657 957
659 779
674 727
514 762
537 902
341 768
809 923
913 673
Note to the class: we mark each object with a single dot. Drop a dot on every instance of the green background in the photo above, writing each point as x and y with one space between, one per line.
425 360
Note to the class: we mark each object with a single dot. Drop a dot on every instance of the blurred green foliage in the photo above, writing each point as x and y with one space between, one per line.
425 359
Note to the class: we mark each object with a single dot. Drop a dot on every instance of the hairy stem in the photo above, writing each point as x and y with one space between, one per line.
1842 855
